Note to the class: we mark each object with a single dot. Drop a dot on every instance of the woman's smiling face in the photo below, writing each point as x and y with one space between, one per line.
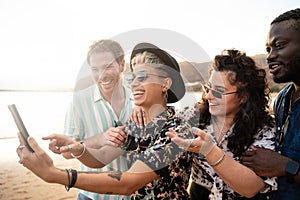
147 84
229 102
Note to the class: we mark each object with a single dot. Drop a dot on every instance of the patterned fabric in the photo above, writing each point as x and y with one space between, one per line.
91 114
288 123
204 175
172 164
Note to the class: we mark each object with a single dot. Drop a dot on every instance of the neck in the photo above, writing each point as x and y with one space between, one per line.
115 94
221 125
224 121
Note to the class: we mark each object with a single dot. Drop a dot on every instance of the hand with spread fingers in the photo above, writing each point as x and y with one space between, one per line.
202 144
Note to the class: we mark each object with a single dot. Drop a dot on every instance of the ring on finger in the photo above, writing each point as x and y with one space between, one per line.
21 147
69 147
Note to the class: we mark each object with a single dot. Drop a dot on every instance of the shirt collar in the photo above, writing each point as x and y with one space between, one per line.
97 94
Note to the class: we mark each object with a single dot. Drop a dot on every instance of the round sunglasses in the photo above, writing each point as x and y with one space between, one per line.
141 76
216 93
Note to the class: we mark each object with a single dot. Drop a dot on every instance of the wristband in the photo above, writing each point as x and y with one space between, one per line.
219 161
69 181
83 151
74 177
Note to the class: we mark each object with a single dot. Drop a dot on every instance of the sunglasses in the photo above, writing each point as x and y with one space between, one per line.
216 93
141 77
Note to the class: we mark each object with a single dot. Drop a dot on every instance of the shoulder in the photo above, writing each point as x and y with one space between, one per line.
280 99
85 92
283 93
189 114
265 137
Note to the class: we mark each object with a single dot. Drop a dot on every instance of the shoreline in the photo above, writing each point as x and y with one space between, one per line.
18 183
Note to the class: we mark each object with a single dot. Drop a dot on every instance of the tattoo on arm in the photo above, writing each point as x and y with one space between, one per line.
115 175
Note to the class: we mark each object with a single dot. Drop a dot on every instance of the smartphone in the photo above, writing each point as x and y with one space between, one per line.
20 124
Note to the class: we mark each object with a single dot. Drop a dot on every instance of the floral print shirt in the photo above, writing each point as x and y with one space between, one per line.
172 163
203 174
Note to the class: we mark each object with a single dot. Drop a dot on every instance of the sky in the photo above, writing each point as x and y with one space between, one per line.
43 43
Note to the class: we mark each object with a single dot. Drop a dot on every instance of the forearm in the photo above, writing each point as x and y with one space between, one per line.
123 183
98 182
109 182
234 174
98 158
95 141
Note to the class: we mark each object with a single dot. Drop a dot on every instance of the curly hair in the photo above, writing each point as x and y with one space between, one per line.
106 45
254 113
289 15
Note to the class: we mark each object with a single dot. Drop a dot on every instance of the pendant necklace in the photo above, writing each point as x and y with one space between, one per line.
221 133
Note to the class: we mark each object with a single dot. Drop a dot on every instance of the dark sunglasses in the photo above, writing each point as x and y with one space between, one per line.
216 93
140 76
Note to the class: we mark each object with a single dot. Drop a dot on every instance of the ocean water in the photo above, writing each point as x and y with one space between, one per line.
42 112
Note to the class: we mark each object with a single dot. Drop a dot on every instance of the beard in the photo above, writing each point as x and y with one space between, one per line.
291 72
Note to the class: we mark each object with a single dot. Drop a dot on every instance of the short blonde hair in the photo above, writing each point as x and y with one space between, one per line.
146 57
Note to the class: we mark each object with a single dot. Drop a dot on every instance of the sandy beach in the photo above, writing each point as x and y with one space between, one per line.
18 183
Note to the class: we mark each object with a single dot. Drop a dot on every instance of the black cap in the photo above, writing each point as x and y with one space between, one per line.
177 90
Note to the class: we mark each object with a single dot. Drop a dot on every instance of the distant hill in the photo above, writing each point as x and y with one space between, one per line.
195 73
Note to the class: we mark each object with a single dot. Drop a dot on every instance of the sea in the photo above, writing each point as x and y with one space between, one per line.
42 112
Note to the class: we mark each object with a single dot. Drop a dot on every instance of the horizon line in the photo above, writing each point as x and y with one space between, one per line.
37 90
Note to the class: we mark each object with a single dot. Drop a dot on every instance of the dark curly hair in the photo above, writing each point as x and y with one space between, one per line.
254 113
290 15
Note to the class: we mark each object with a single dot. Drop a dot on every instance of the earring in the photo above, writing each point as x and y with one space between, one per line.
165 94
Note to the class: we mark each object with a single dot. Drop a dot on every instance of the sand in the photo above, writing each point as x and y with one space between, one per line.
18 183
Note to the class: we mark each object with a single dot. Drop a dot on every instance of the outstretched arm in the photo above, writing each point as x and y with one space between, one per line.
106 183
91 157
232 172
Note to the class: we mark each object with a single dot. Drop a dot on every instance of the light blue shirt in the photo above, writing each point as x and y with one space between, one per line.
90 114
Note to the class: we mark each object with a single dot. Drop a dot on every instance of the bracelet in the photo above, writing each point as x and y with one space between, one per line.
74 177
219 161
69 181
83 151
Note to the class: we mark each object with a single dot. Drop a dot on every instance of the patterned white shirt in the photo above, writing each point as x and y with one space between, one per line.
202 172
204 175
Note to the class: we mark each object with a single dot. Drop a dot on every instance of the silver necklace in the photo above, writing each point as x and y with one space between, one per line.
221 133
